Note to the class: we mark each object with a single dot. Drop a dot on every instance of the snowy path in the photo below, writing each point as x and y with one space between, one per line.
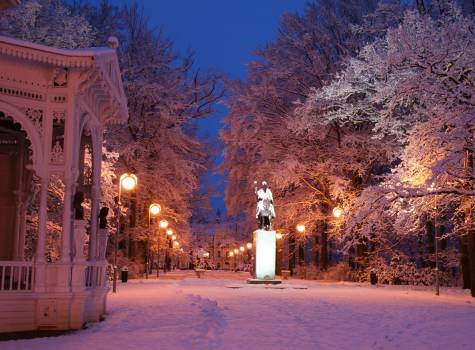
204 314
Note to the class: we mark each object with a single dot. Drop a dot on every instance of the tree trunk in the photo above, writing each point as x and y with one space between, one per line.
324 248
430 236
468 165
465 262
316 254
471 256
421 7
291 253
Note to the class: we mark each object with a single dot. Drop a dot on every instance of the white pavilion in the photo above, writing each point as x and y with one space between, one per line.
54 105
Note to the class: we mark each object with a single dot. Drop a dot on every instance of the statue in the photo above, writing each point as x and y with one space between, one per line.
78 209
265 212
103 217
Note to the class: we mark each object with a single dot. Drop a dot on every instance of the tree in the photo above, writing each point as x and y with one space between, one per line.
262 141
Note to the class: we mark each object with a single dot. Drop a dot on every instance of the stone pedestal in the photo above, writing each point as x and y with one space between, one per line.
264 252
79 240
102 236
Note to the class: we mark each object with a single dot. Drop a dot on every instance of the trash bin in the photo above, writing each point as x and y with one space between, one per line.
124 274
373 277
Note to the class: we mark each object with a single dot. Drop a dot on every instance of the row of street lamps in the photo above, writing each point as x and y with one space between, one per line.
337 213
129 182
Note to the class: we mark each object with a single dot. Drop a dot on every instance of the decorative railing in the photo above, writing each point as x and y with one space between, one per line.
95 275
16 276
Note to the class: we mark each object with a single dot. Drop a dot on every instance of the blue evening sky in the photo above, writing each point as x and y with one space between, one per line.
222 34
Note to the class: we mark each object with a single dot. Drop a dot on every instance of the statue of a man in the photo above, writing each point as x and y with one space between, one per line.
265 212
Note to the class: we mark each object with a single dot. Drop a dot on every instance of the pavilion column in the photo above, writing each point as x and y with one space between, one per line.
67 219
41 242
95 194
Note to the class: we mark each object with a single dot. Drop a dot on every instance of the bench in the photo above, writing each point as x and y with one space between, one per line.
285 274
200 272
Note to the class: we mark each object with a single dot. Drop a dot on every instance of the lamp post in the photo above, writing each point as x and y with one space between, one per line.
169 233
127 182
436 245
153 210
301 258
236 253
231 255
163 224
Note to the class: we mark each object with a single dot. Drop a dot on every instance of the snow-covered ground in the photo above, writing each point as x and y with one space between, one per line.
183 312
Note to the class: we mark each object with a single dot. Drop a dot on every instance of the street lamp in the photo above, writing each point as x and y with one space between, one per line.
153 210
163 224
436 244
170 238
249 246
127 182
300 228
337 212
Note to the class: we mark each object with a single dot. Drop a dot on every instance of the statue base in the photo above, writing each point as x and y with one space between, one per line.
264 252
257 281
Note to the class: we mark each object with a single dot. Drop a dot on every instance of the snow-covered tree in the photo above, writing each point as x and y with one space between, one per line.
48 22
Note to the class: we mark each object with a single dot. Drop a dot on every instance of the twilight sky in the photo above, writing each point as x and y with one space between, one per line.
222 34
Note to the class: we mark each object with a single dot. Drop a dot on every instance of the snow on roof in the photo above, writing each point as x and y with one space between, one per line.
103 59
8 3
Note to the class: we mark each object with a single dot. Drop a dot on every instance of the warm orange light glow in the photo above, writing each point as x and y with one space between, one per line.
278 235
163 224
176 243
337 212
249 246
169 232
173 237
155 209
128 181
231 254
241 248
301 228
236 251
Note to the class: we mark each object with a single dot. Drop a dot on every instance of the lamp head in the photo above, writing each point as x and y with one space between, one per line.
155 209
163 224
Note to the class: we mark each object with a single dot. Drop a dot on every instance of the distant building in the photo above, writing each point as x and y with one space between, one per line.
219 237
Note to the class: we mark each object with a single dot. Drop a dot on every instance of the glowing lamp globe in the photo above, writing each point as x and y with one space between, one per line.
231 254
128 181
300 228
173 237
169 232
163 224
249 246
241 248
337 212
155 209
278 235
236 251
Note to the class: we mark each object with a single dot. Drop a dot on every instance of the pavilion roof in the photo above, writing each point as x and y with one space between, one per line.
101 60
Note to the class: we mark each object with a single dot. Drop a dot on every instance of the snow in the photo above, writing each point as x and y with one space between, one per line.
183 312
